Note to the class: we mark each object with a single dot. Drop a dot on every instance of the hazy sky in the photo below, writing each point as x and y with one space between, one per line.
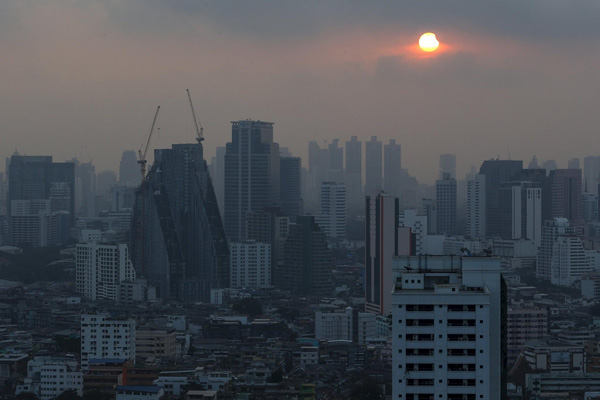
83 78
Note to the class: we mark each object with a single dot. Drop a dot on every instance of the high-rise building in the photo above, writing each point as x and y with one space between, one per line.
448 335
551 230
252 175
129 171
445 200
521 211
217 171
353 177
332 219
590 207
496 173
569 261
250 264
335 156
100 268
291 201
269 226
392 166
105 338
591 174
418 229
574 164
39 191
179 243
430 212
567 194
373 166
448 165
384 239
85 189
306 270
476 207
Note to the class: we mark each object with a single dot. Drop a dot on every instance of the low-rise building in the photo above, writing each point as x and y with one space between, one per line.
555 356
347 325
139 392
48 377
155 342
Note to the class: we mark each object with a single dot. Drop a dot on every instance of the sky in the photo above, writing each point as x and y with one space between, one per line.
512 78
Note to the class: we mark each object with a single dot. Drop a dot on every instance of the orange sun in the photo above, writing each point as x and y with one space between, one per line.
428 42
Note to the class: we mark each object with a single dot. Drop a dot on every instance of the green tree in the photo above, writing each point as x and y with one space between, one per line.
366 389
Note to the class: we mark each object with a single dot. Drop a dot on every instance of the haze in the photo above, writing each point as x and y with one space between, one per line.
83 78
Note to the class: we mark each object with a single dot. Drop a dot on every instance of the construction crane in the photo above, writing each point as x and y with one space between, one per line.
142 155
199 128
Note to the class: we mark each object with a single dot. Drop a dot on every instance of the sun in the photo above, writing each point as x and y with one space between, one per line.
428 42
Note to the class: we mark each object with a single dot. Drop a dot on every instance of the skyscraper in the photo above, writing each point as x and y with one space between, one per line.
373 167
445 200
179 243
353 176
291 202
521 211
129 171
496 172
332 219
252 174
85 189
591 174
476 207
567 194
306 270
448 328
392 167
383 241
551 230
448 165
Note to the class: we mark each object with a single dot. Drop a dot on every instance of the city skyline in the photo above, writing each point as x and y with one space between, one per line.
513 78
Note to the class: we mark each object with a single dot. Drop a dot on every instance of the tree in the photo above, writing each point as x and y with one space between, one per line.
251 307
366 389
26 396
68 395
97 395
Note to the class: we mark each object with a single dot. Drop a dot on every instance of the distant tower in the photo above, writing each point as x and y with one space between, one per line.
392 167
373 166
476 207
591 174
333 210
353 176
448 165
129 171
291 202
574 163
445 199
567 194
252 174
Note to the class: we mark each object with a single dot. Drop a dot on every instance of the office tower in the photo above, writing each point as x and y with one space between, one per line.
306 270
447 165
353 176
591 174
40 193
590 207
383 241
250 264
566 194
252 177
104 181
574 164
332 219
521 211
392 166
179 243
496 173
291 202
430 212
373 166
551 230
85 189
217 171
129 170
569 261
476 207
448 319
100 268
445 200
103 338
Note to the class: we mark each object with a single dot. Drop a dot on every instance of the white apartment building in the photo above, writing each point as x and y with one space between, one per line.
100 269
418 225
106 338
446 328
250 264
48 377
569 262
349 324
550 231
333 210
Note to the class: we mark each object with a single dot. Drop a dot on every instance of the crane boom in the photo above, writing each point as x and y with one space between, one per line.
142 155
199 128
